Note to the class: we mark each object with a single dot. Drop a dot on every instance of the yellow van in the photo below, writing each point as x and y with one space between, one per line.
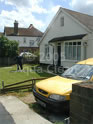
54 93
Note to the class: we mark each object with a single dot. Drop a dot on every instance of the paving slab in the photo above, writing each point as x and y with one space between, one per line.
14 111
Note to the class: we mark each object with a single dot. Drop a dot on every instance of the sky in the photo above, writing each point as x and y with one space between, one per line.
37 12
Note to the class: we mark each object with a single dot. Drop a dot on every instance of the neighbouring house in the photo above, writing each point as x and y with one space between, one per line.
28 38
68 39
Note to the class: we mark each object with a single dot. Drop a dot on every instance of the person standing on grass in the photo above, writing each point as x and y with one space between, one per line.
19 62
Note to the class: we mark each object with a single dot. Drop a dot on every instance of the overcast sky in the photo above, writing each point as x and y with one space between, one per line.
37 12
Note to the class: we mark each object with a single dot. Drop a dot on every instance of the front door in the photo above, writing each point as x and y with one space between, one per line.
59 54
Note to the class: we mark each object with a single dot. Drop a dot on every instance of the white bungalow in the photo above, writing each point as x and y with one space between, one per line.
68 39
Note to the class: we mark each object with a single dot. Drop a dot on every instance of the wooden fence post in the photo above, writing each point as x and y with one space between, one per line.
2 90
32 83
2 84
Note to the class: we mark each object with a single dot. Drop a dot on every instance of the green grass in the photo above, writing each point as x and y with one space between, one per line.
9 74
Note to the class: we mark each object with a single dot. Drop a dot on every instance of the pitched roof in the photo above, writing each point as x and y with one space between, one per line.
31 32
85 19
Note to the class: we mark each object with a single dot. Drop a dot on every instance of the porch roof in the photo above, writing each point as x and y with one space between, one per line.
65 38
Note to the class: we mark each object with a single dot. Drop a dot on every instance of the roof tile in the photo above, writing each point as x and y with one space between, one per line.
33 32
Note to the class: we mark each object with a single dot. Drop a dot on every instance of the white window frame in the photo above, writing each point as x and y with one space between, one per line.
24 40
47 55
31 43
62 21
72 59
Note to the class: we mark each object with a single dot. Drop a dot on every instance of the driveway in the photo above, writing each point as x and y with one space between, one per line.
14 111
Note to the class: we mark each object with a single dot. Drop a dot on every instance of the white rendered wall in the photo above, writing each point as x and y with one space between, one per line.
20 40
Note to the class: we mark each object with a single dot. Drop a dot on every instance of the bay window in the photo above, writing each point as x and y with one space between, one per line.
73 50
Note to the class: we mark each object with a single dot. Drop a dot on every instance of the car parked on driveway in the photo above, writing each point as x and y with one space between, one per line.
54 93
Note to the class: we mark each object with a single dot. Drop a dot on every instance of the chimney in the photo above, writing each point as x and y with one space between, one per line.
16 27
31 25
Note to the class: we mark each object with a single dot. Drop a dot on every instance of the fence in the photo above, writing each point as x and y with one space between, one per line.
18 86
6 61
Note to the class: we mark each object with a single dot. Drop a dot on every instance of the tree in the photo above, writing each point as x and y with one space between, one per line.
8 48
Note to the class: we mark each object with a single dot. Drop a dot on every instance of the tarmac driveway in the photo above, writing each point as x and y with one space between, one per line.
14 111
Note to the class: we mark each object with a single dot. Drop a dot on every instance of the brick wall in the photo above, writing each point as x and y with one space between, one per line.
81 104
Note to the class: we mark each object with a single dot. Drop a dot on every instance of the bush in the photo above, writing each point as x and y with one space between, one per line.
8 48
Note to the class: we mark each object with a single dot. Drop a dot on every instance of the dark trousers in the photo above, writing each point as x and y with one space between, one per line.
19 66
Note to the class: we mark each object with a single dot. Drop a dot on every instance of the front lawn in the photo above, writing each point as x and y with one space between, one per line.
10 75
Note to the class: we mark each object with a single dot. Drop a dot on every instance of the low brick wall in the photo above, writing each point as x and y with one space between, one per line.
81 104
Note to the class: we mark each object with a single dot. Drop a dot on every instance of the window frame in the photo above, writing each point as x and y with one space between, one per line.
47 49
62 21
30 43
67 54
24 40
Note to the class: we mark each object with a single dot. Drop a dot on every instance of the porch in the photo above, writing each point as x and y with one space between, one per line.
68 50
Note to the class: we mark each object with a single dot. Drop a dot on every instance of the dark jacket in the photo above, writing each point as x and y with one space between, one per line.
19 59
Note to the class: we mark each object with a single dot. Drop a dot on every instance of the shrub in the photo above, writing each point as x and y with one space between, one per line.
8 48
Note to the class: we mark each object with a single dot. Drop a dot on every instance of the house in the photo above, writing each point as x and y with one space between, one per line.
28 38
68 39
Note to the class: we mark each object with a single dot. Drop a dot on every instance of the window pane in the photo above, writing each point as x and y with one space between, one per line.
66 43
78 52
46 50
74 43
31 43
74 53
73 50
70 43
62 21
24 40
70 52
79 43
66 51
